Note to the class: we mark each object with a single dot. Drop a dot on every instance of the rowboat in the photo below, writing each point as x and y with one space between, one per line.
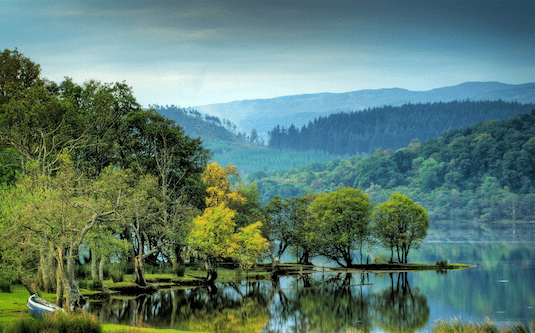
38 307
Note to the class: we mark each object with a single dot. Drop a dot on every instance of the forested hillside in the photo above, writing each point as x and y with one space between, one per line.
484 172
247 152
388 127
197 125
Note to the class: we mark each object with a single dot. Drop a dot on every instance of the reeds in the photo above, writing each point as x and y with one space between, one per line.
458 326
57 323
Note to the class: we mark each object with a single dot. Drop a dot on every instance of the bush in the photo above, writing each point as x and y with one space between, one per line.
5 287
180 270
381 259
83 271
97 285
116 273
442 263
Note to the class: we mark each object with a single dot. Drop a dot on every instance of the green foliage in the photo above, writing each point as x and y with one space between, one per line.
5 286
442 263
381 259
400 223
180 270
341 223
116 272
17 74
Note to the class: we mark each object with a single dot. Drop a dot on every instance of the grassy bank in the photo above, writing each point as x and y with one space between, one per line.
458 326
85 323
70 323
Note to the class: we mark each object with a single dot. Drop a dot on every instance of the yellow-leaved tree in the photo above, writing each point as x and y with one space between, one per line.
214 235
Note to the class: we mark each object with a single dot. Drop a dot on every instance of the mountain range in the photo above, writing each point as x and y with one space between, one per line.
264 114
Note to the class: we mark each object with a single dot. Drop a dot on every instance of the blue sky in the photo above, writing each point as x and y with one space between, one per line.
192 53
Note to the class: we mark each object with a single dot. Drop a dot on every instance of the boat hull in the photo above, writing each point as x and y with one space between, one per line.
39 308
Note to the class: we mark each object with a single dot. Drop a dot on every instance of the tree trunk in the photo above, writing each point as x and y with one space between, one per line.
306 257
94 265
71 287
139 272
347 258
101 270
275 261
59 280
47 269
211 270
178 262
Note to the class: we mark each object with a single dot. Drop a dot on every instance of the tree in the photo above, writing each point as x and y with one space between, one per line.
214 234
60 212
342 221
279 228
254 136
218 186
17 74
400 223
303 228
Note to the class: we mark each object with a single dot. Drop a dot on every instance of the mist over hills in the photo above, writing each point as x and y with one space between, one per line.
265 114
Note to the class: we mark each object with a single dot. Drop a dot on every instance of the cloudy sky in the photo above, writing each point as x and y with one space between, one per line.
191 53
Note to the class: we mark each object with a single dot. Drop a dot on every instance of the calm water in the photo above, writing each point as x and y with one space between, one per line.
501 287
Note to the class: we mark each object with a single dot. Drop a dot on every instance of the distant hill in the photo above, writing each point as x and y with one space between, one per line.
265 114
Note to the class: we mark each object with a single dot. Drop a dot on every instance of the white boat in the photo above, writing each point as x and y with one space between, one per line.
38 307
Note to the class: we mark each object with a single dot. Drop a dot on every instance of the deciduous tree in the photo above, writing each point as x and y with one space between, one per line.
342 221
401 223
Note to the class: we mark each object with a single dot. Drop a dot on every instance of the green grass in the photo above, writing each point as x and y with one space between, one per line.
128 329
13 305
60 323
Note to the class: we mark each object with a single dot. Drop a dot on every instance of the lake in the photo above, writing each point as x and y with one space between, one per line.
500 286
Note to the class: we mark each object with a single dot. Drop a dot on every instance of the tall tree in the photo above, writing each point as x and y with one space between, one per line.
17 74
214 235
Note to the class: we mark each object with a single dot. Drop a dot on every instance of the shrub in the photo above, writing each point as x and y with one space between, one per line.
180 270
442 263
97 285
5 286
83 271
116 273
83 284
381 259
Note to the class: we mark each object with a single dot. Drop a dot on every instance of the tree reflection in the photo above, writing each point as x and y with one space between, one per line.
400 309
305 303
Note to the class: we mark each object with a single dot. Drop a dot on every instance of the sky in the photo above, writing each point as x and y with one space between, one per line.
192 53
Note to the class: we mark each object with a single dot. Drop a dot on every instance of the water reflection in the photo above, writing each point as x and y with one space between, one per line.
404 302
307 303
